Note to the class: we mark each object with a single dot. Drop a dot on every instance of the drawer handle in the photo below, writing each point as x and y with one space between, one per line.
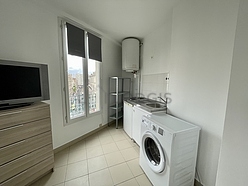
10 113
19 142
9 128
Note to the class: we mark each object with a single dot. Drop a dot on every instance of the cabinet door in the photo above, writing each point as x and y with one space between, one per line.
137 118
128 119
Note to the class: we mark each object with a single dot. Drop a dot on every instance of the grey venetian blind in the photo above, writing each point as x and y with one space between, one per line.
95 47
75 39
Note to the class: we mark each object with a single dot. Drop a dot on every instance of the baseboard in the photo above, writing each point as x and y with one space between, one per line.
197 183
79 139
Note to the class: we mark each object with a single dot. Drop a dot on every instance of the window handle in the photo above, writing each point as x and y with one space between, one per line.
89 87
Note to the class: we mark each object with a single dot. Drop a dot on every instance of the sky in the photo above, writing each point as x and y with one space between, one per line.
76 65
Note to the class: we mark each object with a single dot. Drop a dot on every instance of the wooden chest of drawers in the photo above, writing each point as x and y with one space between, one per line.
26 151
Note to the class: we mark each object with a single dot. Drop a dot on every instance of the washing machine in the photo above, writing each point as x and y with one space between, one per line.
168 150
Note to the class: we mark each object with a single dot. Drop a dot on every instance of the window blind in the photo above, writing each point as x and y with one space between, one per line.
75 39
95 48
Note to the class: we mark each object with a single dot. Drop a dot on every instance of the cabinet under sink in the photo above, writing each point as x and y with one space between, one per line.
133 113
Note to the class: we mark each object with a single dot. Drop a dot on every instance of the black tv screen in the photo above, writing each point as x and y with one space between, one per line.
23 83
19 82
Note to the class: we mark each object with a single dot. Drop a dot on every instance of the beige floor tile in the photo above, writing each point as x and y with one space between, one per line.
92 141
131 182
61 158
88 162
124 144
76 170
78 146
114 131
119 137
143 180
135 167
54 178
103 133
120 173
127 137
108 148
101 178
117 132
96 164
61 184
136 148
76 155
114 158
133 144
112 128
129 154
81 181
94 152
106 140
92 136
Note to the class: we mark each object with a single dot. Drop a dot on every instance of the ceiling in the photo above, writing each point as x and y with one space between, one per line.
118 19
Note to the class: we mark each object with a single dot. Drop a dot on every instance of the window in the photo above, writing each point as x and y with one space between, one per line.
82 63
93 85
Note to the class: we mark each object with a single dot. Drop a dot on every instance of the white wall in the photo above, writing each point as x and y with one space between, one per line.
155 58
156 49
198 57
30 33
233 164
202 47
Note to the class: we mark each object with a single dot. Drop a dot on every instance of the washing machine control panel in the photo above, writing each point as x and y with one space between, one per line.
152 126
146 122
160 131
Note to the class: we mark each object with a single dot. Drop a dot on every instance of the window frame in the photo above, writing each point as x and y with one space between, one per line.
64 75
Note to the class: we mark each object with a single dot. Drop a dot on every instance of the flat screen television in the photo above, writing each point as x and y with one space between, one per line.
22 83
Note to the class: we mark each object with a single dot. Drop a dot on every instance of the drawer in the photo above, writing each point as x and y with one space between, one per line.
23 131
13 151
30 174
22 163
19 116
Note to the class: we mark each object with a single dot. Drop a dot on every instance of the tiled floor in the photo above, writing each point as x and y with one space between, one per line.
106 158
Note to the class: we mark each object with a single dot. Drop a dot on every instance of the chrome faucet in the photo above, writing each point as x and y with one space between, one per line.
164 102
162 99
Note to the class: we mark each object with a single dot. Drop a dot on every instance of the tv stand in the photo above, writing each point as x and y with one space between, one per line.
25 144
11 106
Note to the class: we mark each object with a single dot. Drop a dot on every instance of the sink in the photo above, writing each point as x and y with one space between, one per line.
155 105
147 104
137 98
140 102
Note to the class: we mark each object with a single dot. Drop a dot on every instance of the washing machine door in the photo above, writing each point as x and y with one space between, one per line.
153 152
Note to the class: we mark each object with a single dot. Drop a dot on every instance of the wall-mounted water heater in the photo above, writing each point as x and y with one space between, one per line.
130 54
